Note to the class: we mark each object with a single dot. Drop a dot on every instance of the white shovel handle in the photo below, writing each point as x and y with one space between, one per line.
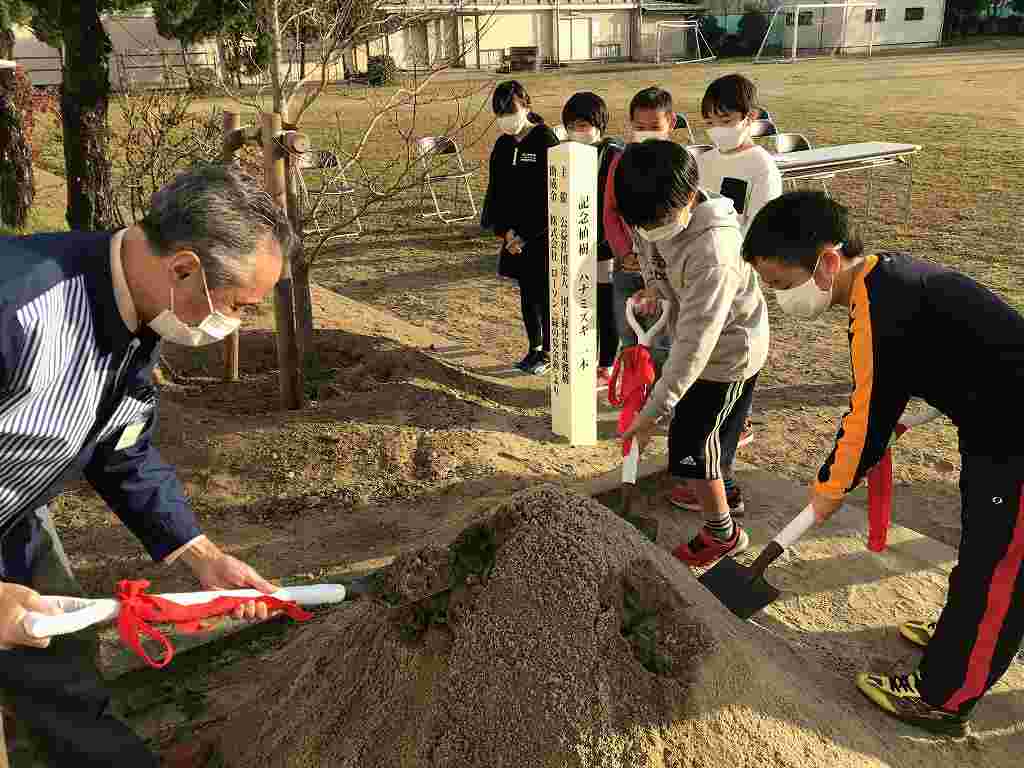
631 464
646 337
797 527
89 612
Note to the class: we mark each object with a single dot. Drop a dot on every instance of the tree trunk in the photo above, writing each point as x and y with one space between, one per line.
300 270
303 309
84 100
17 180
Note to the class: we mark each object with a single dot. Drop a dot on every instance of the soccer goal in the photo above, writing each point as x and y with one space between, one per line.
681 42
810 31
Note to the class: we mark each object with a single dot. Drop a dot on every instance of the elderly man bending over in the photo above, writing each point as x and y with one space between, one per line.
83 315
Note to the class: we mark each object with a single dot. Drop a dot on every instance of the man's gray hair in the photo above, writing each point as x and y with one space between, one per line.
220 213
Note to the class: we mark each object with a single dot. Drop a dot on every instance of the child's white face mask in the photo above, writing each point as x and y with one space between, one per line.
806 301
665 231
640 136
513 124
590 136
729 137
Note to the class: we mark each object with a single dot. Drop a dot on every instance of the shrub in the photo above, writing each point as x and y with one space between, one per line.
380 70
752 28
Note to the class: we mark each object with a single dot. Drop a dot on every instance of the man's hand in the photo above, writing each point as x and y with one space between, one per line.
824 507
645 301
641 430
15 602
216 569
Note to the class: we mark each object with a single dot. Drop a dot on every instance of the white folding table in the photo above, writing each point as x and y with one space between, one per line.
850 158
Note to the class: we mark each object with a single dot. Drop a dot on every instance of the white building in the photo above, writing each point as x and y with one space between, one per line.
904 23
482 33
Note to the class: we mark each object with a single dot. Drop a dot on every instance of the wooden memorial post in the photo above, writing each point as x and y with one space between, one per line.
572 234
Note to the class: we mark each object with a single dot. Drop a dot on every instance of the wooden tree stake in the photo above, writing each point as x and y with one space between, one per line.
232 130
288 358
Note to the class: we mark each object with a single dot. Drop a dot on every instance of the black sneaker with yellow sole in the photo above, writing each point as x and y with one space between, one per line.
897 695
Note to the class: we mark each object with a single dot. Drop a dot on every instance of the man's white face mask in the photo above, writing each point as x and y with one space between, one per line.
215 327
807 301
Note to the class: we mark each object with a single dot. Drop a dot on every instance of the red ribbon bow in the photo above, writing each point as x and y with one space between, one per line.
630 383
139 609
880 498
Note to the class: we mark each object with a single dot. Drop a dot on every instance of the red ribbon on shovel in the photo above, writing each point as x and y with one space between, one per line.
138 610
630 383
880 485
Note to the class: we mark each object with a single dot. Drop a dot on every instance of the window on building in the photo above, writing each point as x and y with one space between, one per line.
806 18
790 18
875 14
879 14
913 14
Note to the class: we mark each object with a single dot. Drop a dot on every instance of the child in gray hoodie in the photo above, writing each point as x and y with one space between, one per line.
690 252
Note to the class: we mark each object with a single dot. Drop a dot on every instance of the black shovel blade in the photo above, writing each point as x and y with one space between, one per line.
731 583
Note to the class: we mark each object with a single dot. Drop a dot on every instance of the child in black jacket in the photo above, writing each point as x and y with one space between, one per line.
585 117
516 210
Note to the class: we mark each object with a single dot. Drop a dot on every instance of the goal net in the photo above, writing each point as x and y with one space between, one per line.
681 42
808 31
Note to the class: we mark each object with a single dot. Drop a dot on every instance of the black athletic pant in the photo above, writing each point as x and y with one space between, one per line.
982 624
57 692
536 306
607 331
706 428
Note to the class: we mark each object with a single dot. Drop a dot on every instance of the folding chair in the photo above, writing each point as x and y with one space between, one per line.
683 124
322 203
441 153
759 129
797 142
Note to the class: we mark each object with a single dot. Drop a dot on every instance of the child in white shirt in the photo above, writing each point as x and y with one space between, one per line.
736 168
746 174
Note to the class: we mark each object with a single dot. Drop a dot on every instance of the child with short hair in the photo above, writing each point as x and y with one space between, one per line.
736 168
690 251
745 173
585 117
918 329
651 116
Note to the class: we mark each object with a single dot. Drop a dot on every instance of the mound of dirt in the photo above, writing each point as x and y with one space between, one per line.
550 633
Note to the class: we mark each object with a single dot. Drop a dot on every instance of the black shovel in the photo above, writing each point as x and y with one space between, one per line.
742 588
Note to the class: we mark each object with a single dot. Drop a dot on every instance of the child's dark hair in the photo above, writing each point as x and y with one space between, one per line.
586 106
732 93
654 98
792 228
503 101
652 179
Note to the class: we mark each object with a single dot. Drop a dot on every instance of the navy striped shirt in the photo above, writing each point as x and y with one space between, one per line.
75 389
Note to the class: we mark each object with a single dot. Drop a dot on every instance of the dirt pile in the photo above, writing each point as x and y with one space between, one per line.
551 633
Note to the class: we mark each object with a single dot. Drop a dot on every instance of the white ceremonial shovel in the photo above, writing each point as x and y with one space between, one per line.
80 612
631 461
